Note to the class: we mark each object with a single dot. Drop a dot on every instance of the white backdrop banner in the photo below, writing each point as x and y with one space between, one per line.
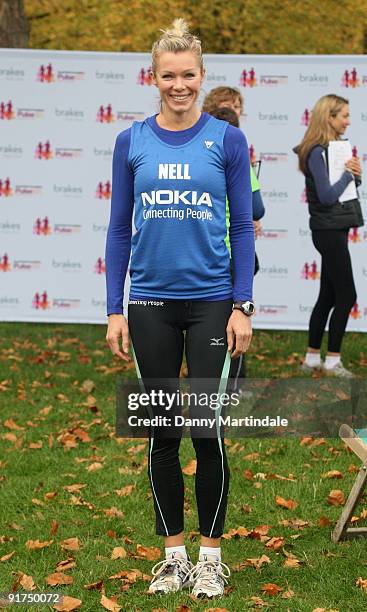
60 113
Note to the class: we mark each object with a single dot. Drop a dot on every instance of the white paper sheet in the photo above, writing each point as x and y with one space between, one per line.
339 152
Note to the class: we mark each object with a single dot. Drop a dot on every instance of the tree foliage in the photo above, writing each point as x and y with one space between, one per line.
235 26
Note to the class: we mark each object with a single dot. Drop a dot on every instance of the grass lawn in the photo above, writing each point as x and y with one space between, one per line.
71 492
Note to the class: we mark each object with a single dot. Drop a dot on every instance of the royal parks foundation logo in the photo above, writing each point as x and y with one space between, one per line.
7 112
273 157
249 79
42 301
11 74
145 76
350 78
43 227
6 190
252 154
100 266
103 190
305 117
356 235
5 265
355 312
105 114
18 265
310 271
273 234
43 151
272 310
47 74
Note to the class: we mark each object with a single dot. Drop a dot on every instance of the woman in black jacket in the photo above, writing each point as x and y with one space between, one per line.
330 221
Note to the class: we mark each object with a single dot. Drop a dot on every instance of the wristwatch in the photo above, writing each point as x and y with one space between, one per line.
248 308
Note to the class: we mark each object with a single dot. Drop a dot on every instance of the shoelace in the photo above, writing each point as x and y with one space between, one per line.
179 562
204 571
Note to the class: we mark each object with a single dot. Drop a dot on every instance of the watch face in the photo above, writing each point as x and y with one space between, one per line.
248 307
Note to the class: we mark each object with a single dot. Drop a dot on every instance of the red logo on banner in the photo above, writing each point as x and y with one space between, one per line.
303 197
103 191
7 111
105 114
43 151
5 188
145 77
355 313
350 78
100 267
248 78
252 154
42 227
41 301
4 263
310 272
355 151
353 235
305 119
45 74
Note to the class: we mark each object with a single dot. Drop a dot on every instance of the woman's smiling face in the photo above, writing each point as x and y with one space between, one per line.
178 77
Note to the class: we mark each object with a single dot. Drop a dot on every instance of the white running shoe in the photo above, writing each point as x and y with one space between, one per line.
339 370
210 577
171 575
307 368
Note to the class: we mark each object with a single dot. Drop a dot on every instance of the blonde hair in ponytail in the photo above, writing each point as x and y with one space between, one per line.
175 39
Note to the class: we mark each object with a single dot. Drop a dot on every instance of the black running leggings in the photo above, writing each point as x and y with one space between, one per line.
337 289
158 339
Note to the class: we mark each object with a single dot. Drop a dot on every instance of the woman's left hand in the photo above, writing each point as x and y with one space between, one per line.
239 333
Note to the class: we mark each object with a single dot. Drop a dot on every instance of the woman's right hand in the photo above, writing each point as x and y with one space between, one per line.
118 329
354 166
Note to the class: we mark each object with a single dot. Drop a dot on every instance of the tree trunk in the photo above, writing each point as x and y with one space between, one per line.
14 28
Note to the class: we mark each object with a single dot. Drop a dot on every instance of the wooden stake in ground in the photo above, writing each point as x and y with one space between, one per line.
358 444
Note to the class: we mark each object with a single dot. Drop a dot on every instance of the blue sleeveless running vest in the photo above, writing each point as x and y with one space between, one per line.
179 250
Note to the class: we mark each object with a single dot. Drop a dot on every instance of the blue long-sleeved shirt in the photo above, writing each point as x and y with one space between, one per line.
118 244
328 194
